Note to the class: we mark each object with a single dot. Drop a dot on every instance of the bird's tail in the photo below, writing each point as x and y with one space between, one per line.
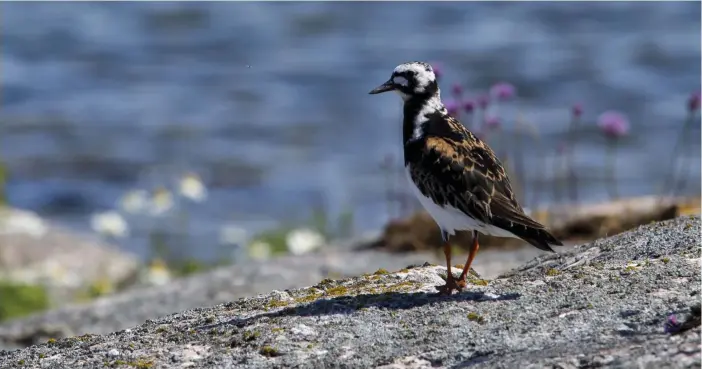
538 237
541 239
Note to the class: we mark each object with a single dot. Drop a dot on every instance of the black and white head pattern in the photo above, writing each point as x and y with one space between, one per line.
414 78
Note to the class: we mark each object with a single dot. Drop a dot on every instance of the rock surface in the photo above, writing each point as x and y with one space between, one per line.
134 306
603 304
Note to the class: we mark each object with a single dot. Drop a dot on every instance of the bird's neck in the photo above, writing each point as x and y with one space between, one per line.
416 113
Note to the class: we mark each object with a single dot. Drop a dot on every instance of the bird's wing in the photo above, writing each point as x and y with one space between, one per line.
452 166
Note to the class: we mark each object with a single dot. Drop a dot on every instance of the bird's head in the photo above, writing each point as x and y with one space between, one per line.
410 80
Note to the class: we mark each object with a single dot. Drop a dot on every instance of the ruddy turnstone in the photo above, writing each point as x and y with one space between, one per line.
456 176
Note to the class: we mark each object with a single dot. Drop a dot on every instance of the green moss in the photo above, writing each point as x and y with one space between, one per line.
480 282
278 330
403 270
381 271
18 299
41 356
552 272
326 282
309 346
630 268
665 260
141 364
162 329
249 336
402 286
275 303
21 362
337 291
311 296
268 351
51 341
473 317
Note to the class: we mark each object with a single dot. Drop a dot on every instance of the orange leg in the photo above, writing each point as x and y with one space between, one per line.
451 284
471 255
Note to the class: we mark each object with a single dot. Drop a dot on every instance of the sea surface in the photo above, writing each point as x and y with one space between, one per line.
268 102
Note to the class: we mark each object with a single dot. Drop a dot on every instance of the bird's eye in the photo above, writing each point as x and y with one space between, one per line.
400 80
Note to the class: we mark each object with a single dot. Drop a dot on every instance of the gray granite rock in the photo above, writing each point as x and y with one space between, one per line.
603 304
134 306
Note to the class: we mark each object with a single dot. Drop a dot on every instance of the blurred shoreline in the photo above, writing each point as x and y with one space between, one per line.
103 99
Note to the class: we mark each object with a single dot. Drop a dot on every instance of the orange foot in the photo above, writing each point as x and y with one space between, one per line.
452 284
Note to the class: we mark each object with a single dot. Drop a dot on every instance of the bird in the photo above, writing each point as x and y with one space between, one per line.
456 176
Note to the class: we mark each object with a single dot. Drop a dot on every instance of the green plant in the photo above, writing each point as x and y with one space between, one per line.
189 266
275 238
21 299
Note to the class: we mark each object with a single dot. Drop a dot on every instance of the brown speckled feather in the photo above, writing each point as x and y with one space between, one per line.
450 165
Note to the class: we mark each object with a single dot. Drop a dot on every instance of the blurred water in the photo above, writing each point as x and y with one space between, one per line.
269 100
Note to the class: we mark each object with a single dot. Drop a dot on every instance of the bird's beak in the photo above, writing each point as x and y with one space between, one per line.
385 87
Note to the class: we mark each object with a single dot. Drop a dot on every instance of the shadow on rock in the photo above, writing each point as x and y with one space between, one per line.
351 304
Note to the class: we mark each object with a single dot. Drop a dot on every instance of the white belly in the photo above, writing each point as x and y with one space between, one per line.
450 219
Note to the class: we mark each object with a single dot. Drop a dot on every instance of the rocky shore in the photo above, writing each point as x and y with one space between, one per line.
628 301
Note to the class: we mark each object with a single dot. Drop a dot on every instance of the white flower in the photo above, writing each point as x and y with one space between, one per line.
231 234
302 241
259 250
156 274
191 186
161 201
19 221
109 223
134 201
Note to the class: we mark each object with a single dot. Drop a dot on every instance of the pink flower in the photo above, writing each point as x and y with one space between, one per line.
457 90
483 101
452 107
694 102
613 124
503 91
671 324
577 110
469 106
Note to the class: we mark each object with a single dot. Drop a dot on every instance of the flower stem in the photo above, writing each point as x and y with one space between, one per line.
518 161
611 164
557 178
539 171
670 180
388 168
572 179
